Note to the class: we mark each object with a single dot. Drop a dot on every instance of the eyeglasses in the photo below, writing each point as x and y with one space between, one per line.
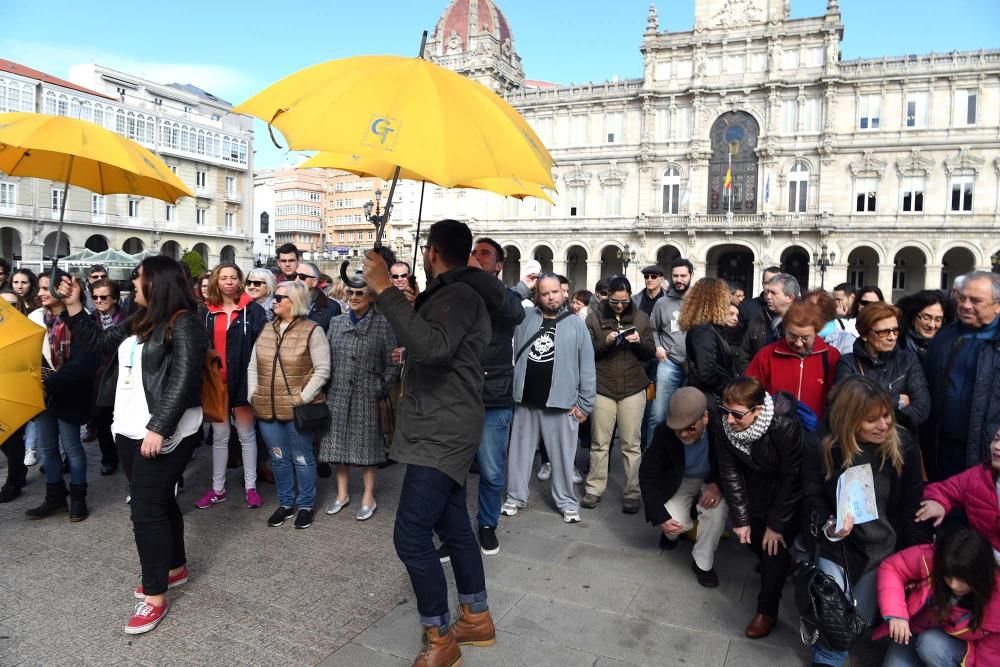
650 276
885 333
98 276
792 338
618 302
399 276
305 276
924 317
255 283
355 292
736 414
602 292
134 275
102 297
688 429
866 303
278 298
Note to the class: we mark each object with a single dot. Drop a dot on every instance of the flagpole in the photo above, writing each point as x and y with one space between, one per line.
730 172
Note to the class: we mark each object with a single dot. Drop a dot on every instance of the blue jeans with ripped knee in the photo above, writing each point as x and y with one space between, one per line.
292 459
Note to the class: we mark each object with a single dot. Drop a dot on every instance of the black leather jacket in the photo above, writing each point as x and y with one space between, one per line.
171 371
899 371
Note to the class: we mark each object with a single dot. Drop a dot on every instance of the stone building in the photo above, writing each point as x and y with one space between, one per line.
877 171
210 150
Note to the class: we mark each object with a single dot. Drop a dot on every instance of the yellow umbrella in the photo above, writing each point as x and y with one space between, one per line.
408 112
21 395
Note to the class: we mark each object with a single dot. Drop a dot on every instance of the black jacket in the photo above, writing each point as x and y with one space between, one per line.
240 338
709 359
321 311
819 497
662 470
69 391
498 359
171 371
766 484
757 334
899 371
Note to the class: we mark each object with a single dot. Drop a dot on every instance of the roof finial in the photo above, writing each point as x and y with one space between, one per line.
652 21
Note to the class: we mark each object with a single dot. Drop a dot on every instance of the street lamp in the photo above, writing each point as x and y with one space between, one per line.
824 260
627 256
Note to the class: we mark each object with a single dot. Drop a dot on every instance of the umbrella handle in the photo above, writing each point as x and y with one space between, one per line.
270 130
350 281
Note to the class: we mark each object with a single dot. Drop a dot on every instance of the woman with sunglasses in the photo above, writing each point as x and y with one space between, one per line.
289 366
106 314
759 461
877 356
233 322
260 287
13 448
867 295
154 384
361 343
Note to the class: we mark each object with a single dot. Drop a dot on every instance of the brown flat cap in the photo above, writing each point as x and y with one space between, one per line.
687 406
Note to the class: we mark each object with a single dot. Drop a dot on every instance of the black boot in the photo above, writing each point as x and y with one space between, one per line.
9 491
16 478
77 502
55 501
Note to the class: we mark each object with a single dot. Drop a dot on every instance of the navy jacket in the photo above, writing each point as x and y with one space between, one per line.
69 392
240 339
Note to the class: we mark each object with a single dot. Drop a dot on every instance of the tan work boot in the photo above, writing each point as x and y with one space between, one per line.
439 650
474 629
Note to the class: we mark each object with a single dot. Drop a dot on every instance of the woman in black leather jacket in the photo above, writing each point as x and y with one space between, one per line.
759 473
154 383
703 317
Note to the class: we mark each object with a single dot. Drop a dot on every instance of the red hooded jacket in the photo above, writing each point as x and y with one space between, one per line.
807 378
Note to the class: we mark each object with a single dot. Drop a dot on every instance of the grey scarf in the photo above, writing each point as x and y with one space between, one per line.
743 440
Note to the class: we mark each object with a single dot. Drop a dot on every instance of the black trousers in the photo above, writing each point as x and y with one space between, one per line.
773 569
156 518
102 422
13 449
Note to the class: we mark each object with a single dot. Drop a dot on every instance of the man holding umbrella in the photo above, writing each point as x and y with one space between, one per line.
440 425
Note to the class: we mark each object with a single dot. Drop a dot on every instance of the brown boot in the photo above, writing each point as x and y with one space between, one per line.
439 650
474 629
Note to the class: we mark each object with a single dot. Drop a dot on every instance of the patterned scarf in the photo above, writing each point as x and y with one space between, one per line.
743 440
59 339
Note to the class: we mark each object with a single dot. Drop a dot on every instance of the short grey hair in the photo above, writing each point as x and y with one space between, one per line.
299 295
994 279
312 267
266 276
789 285
957 283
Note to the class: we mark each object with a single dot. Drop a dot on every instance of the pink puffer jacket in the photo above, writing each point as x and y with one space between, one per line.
974 491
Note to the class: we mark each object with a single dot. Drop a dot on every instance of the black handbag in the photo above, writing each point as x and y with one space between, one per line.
827 612
308 417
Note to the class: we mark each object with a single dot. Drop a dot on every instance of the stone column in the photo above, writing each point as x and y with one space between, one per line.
559 266
932 276
593 272
885 279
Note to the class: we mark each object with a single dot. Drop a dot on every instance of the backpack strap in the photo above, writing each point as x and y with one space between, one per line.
538 333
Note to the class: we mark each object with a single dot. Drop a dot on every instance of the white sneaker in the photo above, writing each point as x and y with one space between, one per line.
571 516
509 508
29 457
128 499
545 472
577 477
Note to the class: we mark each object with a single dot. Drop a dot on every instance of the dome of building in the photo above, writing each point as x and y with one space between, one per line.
465 19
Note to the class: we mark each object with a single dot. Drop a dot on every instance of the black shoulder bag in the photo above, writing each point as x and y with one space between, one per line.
828 613
310 416
534 337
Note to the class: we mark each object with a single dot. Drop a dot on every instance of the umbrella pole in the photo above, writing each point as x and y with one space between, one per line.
420 213
380 224
55 250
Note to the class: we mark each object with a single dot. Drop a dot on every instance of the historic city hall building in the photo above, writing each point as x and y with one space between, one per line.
876 171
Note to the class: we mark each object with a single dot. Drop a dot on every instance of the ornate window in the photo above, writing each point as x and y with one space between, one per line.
734 140
671 190
869 112
798 188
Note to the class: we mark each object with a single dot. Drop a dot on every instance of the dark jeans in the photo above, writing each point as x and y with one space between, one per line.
492 458
13 449
102 423
156 518
431 502
773 569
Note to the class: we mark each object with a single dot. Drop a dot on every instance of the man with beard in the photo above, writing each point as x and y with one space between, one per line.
440 422
669 341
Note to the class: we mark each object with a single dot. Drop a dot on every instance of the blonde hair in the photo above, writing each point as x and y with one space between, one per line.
707 302
298 293
338 290
854 399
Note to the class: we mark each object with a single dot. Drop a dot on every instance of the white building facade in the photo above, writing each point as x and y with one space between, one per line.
874 172
193 132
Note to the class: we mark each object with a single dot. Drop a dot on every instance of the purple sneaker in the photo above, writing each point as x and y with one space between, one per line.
253 498
210 498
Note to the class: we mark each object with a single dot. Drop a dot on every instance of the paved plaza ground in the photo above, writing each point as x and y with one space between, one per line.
598 593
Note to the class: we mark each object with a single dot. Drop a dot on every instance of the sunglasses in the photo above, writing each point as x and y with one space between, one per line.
867 303
278 298
305 276
255 283
102 297
736 413
399 276
885 333
618 302
689 429
650 276
98 276
356 292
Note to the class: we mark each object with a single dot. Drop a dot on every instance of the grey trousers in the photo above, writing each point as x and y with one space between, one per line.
558 430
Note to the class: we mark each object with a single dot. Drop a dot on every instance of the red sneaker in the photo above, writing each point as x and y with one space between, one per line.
145 618
173 580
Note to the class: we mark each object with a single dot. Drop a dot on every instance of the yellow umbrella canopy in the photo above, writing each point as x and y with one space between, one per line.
80 153
408 112
21 395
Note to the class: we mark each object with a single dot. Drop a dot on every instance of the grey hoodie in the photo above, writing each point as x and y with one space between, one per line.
666 329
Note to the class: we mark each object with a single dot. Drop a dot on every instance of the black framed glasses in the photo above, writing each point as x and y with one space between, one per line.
926 317
885 333
255 283
736 414
399 276
278 298
102 297
305 276
98 276
689 429
867 302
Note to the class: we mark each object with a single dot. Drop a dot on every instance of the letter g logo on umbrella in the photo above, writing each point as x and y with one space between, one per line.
382 132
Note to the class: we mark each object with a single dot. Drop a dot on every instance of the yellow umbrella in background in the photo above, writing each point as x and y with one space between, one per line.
21 395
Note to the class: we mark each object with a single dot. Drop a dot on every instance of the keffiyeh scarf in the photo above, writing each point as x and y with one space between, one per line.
743 440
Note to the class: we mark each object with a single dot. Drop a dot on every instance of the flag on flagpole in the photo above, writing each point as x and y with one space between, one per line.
728 184
767 189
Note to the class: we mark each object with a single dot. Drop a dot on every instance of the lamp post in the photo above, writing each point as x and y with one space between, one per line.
268 242
626 255
823 260
376 217
995 261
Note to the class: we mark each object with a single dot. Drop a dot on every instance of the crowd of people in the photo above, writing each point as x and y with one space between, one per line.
746 414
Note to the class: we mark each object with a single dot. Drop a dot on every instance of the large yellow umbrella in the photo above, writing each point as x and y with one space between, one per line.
21 395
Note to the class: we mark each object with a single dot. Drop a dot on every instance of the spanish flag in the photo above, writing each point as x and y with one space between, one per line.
728 184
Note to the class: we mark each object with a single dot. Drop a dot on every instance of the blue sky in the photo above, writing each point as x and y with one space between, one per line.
234 49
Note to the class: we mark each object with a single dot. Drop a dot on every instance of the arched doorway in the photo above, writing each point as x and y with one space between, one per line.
202 250
734 141
576 267
133 245
862 267
957 261
10 243
228 254
611 264
543 255
909 272
49 247
171 249
665 256
733 263
97 243
511 265
795 262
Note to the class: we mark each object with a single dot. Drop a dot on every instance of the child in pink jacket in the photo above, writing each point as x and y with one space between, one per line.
941 603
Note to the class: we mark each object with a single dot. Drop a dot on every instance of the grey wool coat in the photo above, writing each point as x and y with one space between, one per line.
361 372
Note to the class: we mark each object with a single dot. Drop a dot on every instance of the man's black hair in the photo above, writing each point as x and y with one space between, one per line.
563 280
97 267
452 240
619 284
409 269
287 248
679 262
772 269
846 288
496 247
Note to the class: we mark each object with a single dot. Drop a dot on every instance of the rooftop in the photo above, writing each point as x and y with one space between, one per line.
31 73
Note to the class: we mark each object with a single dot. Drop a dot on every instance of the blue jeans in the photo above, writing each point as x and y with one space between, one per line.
934 647
30 435
51 432
492 459
865 597
669 378
431 502
292 459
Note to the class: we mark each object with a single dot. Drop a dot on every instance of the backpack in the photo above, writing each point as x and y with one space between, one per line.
213 390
